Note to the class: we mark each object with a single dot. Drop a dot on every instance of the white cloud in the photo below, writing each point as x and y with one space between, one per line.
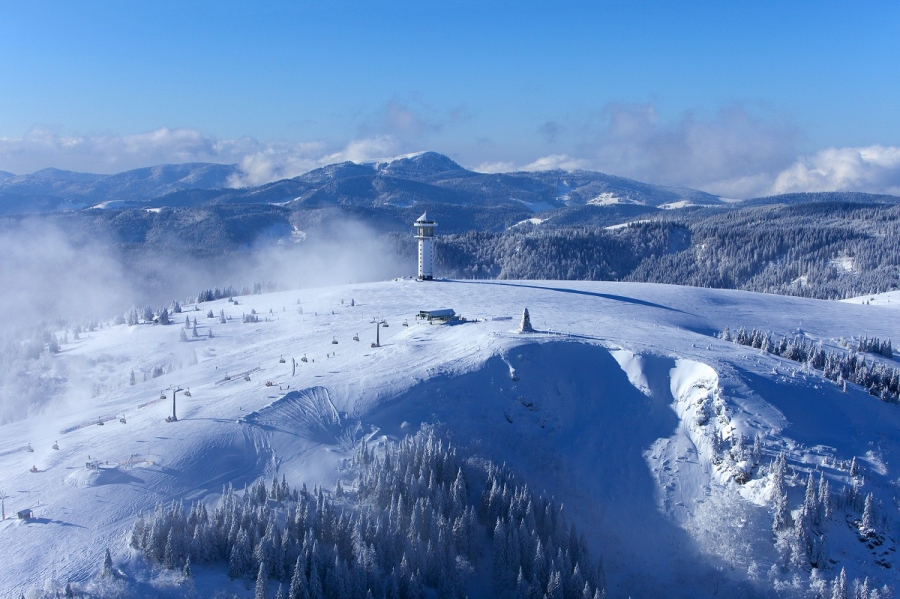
281 160
873 169
106 153
734 153
495 167
259 161
365 150
557 162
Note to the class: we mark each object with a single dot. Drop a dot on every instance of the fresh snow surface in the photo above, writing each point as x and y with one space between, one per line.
623 225
528 221
598 408
677 205
608 199
888 298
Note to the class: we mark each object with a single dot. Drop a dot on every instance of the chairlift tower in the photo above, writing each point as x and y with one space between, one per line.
173 417
425 235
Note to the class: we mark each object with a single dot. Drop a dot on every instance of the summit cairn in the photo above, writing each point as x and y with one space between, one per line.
525 326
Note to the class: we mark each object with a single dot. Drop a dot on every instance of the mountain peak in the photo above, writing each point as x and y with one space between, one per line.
422 164
56 174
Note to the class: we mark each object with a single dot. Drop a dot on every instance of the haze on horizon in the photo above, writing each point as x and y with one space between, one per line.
734 100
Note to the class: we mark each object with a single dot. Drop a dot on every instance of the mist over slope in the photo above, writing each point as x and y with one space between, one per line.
658 438
537 225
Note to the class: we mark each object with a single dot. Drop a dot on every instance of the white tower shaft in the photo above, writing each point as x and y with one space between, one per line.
425 236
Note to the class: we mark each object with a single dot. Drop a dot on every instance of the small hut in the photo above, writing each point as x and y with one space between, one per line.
441 315
25 514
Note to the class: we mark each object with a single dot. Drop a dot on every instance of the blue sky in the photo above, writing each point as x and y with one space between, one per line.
723 95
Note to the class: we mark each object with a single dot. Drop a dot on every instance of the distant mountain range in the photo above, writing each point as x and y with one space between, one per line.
425 178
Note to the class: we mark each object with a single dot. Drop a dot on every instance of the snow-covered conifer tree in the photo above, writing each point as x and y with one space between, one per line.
839 588
782 512
525 325
262 581
867 525
811 503
297 588
107 569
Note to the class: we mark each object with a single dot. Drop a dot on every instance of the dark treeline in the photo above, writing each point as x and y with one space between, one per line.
824 251
877 379
875 346
419 522
210 295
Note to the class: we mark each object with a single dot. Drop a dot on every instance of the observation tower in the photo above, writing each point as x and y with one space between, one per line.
425 235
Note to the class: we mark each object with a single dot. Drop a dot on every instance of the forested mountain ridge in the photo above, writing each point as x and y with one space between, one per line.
827 250
824 251
422 178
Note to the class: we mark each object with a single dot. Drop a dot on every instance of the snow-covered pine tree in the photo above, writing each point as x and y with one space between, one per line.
867 524
107 569
525 325
839 587
811 502
262 581
782 512
297 588
824 494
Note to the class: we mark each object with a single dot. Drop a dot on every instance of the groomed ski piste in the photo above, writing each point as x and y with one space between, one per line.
600 408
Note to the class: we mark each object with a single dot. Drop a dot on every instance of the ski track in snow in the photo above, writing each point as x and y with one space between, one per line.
598 408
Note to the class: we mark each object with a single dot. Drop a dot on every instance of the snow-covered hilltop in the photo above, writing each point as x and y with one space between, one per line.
657 437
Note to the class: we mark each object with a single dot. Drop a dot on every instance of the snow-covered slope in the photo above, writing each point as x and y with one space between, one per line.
624 405
888 298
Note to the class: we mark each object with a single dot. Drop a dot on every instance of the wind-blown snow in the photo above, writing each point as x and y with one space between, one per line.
599 408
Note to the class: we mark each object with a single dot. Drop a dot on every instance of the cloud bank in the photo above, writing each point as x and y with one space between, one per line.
736 152
259 161
873 169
